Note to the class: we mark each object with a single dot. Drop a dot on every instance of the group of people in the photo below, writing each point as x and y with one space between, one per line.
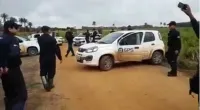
12 78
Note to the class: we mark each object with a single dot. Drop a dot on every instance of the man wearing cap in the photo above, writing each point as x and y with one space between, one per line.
69 37
48 52
10 73
174 47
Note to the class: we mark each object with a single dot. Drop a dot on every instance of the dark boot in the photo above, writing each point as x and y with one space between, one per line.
51 83
172 74
45 83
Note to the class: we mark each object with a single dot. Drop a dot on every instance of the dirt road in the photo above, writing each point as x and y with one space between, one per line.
129 86
126 87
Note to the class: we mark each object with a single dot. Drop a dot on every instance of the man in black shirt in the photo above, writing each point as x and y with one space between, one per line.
48 52
69 37
87 36
194 81
174 47
94 34
10 73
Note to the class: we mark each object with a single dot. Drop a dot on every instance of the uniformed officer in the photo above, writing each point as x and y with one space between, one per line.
11 75
174 47
48 52
69 37
94 34
87 36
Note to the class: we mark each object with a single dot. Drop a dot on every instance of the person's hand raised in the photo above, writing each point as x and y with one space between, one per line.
188 11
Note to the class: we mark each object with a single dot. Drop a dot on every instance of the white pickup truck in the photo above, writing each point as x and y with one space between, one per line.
28 47
123 46
33 37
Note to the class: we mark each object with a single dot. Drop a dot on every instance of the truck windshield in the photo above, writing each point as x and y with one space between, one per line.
110 38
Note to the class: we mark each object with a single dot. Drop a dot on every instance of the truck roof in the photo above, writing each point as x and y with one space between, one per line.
127 31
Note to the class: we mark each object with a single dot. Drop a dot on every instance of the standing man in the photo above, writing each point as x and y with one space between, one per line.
94 34
194 81
174 47
87 36
10 73
69 37
48 52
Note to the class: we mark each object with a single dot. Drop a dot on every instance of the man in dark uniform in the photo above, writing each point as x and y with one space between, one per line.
194 81
94 34
69 37
10 73
87 36
48 52
174 47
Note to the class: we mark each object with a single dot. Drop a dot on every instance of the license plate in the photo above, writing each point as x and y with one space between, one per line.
78 57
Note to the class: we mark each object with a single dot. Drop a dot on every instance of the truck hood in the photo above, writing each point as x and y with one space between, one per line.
90 45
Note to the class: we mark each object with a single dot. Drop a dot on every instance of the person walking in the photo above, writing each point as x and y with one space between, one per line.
69 37
10 73
174 47
48 52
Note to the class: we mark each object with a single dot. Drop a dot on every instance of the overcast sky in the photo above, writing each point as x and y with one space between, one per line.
63 13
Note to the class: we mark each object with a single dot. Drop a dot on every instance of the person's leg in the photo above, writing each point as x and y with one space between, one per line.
174 64
19 106
43 74
52 72
71 49
68 49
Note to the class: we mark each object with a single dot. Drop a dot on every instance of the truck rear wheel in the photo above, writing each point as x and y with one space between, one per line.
106 63
32 51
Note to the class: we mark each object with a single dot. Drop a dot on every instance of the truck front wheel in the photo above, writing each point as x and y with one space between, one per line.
106 62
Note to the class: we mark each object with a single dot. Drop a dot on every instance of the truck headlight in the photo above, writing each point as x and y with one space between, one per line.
90 50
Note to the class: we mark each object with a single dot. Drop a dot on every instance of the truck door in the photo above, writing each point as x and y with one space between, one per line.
148 44
130 48
21 45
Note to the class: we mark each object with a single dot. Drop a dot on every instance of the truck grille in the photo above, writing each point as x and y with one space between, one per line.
81 50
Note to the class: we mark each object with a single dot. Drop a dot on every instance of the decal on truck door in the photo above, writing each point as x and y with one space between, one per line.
125 50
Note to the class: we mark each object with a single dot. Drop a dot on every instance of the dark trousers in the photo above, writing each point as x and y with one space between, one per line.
16 106
48 68
172 60
14 89
70 48
87 40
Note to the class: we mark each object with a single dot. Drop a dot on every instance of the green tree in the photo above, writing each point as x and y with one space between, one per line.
30 24
94 23
25 22
4 17
21 20
13 19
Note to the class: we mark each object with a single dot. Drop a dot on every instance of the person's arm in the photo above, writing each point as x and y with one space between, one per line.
195 24
57 50
4 47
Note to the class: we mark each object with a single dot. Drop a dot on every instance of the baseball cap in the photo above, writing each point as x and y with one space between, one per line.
172 23
11 24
